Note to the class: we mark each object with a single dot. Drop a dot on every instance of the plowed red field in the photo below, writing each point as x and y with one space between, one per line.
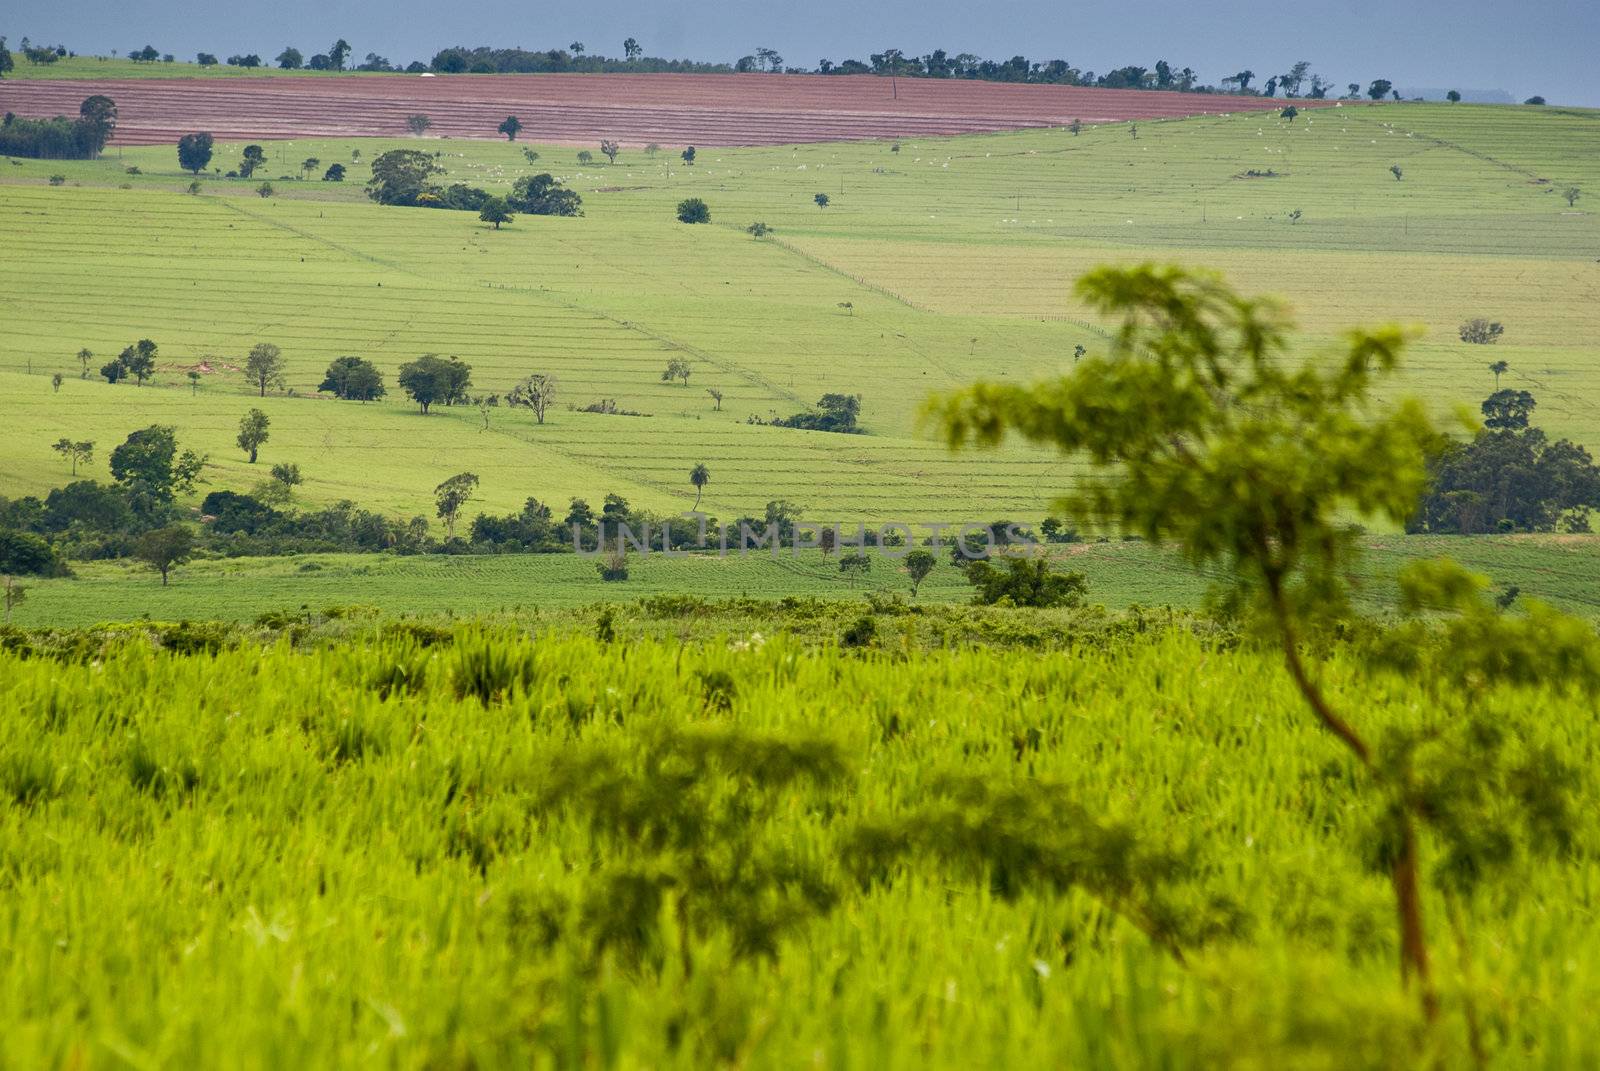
671 109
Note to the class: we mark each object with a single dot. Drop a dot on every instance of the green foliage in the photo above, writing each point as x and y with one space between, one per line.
163 548
253 432
431 378
542 195
194 152
353 379
693 210
1024 580
400 176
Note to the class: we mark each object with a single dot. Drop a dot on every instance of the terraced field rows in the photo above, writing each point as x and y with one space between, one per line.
672 109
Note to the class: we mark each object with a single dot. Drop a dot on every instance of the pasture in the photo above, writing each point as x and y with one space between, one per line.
1561 570
945 261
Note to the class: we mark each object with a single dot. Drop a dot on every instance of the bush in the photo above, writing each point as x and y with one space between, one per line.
693 210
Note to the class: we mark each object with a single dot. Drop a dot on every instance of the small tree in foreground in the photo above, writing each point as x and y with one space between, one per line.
610 149
1196 436
164 548
509 127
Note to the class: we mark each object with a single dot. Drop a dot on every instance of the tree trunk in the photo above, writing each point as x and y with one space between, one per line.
1408 904
252 455
697 492
163 576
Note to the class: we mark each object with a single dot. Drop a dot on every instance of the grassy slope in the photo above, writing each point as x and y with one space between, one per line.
955 254
1564 570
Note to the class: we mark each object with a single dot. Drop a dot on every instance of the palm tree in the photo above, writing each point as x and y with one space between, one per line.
699 476
1498 368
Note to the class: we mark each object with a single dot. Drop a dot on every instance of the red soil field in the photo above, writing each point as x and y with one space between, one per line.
669 109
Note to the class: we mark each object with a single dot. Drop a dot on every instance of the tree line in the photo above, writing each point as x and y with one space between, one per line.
61 138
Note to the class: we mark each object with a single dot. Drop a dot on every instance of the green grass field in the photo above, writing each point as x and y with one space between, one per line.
1561 570
955 255
337 855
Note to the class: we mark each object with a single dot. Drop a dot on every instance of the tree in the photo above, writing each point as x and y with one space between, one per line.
1024 581
55 382
542 195
195 188
264 367
1572 193
1289 113
1199 438
537 392
335 173
677 368
338 54
7 64
585 156
353 379
1508 410
509 127
1508 477
632 49
699 476
496 211
164 548
79 452
430 379
1481 332
253 432
1535 100
264 190
253 158
1394 169
716 398
113 371
1454 96
693 210
1499 368
758 230
821 200
289 59
194 152
449 498
97 121
139 360
85 355
400 176
143 465
12 593
854 566
688 156
918 564
1379 88
194 382
610 149
418 124
308 165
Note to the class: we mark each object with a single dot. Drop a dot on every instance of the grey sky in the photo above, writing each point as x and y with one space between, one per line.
1547 47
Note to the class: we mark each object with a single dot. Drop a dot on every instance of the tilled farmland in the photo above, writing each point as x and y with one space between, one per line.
669 109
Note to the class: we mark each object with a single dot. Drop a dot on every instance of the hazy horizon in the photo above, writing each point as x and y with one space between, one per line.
1470 45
